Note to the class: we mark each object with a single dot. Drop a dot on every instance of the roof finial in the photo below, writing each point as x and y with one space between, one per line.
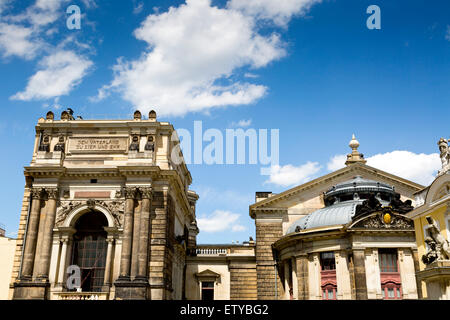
355 156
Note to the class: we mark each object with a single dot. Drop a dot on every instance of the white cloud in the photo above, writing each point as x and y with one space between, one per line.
16 40
42 13
21 34
280 12
220 220
193 50
420 168
290 175
242 123
337 162
90 3
59 73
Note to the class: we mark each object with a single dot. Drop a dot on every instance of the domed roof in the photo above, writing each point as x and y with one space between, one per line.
358 184
337 214
341 201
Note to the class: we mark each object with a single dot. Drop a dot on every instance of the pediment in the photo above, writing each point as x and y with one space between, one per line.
207 274
439 189
316 187
385 219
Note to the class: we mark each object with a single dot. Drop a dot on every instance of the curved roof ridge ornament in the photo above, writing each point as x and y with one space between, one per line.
355 156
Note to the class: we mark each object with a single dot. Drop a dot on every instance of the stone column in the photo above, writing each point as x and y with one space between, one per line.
144 234
44 259
125 261
62 262
32 232
302 277
360 274
407 273
108 264
136 234
314 277
343 276
415 256
66 253
294 278
286 279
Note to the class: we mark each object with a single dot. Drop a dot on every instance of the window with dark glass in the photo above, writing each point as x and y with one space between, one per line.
89 250
207 290
327 261
391 287
328 276
388 260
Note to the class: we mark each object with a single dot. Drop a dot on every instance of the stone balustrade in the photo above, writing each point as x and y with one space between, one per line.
211 251
82 296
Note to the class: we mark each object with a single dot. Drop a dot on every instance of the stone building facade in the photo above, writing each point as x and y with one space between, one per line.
314 242
110 199
432 226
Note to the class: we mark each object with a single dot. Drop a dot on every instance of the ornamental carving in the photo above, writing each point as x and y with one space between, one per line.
385 219
444 155
52 193
64 210
130 192
146 193
438 246
36 193
115 208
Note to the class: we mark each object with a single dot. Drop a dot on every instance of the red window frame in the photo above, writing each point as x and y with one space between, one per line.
327 289
391 285
328 276
396 291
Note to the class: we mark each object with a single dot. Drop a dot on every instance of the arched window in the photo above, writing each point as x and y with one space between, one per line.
89 250
391 286
328 276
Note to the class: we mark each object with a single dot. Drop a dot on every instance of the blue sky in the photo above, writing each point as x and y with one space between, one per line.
311 69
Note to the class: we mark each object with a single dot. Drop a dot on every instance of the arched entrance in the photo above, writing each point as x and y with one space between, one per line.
90 250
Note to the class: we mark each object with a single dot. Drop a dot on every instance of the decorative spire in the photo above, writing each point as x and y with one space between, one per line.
355 156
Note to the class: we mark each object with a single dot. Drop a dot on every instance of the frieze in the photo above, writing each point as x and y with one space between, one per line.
98 144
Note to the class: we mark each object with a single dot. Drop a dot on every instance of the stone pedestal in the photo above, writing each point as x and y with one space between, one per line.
31 290
437 279
131 290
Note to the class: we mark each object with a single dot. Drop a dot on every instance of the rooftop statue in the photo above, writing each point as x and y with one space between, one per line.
438 246
368 206
400 206
445 155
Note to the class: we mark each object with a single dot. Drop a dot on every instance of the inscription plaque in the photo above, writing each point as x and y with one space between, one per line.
98 144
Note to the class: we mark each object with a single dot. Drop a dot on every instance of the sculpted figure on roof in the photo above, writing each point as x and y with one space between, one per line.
445 155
